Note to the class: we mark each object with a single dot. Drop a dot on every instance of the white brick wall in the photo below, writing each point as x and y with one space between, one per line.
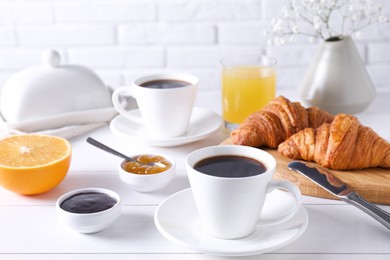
163 33
124 39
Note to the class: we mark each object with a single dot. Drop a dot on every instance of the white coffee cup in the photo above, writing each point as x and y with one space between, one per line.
165 112
230 207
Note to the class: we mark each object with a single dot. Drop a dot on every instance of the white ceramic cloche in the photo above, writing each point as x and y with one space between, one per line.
56 92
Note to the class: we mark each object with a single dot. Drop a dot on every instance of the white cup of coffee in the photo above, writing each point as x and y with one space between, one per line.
165 103
230 184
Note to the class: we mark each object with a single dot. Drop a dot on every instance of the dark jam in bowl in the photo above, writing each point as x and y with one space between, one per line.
88 202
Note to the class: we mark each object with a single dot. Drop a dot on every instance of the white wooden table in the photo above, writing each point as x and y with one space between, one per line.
29 228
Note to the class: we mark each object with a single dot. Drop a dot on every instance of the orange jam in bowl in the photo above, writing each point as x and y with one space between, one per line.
147 178
147 164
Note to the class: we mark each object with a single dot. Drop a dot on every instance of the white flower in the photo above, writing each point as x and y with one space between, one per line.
383 19
295 29
292 39
286 12
325 19
317 26
332 3
316 19
358 34
276 41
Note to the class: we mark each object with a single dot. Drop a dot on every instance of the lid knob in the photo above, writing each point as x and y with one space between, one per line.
51 58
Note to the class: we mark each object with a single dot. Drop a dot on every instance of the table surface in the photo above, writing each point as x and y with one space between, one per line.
29 228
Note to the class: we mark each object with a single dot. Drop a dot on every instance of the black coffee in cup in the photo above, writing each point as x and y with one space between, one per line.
230 166
165 84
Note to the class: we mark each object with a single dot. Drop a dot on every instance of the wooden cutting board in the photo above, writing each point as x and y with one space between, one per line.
373 184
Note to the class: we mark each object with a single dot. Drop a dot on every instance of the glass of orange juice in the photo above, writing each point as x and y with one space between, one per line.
248 84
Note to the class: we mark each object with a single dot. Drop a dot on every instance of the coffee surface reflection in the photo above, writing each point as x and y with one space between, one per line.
165 84
230 166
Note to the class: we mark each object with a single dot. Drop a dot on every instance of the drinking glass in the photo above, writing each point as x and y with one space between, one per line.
248 84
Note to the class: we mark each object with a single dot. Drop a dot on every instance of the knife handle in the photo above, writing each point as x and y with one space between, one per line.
377 213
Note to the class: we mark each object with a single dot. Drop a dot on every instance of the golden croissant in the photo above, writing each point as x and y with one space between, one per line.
280 119
344 144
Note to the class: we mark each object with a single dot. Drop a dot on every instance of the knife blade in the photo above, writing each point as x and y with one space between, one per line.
332 184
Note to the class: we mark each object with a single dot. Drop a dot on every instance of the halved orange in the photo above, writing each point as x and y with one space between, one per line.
32 163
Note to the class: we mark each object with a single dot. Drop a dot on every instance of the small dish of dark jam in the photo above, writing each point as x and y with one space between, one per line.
89 210
88 202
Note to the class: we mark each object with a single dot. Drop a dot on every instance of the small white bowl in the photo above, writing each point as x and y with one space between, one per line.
89 222
148 182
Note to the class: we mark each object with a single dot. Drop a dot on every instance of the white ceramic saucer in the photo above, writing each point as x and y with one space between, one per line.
177 219
202 124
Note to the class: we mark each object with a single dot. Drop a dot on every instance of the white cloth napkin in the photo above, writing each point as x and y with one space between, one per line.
66 132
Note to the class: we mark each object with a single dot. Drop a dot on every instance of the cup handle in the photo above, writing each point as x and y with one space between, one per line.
296 195
125 91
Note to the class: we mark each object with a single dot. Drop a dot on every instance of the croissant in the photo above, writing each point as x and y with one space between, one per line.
276 122
344 144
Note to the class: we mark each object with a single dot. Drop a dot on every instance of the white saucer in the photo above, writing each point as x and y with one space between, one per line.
177 219
202 124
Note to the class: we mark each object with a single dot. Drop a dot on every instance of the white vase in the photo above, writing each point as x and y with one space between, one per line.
337 80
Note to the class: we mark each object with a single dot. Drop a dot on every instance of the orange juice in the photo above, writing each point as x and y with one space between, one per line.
246 89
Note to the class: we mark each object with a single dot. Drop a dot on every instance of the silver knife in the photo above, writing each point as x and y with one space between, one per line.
335 186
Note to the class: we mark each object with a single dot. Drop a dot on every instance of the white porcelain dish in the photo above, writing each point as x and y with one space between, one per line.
186 230
203 123
52 89
148 182
89 222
